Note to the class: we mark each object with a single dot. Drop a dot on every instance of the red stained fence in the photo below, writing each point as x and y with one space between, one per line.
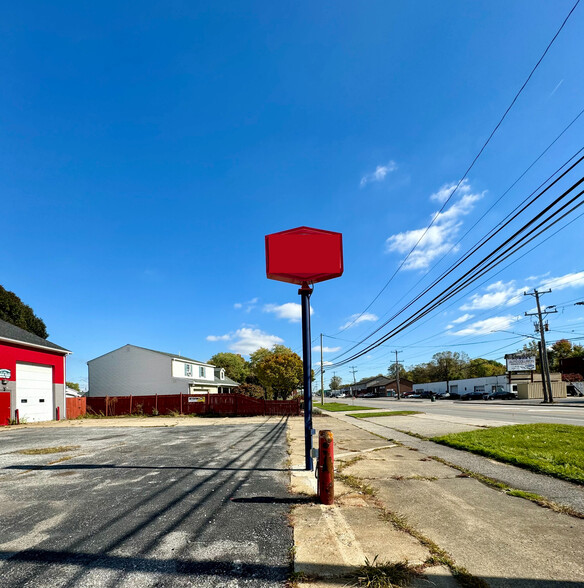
76 407
212 404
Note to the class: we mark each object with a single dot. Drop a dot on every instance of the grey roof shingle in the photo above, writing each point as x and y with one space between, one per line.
14 333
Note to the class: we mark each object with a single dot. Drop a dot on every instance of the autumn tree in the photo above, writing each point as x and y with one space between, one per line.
14 311
279 371
235 366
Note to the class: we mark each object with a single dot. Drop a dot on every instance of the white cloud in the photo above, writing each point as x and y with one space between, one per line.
441 236
291 311
446 191
379 174
508 293
463 318
355 319
247 340
218 337
574 280
326 349
484 327
247 306
324 364
496 294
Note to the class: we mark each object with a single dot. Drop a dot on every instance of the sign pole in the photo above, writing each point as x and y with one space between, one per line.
305 292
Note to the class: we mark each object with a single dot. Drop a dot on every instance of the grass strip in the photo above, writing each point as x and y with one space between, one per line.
551 449
370 415
45 450
340 406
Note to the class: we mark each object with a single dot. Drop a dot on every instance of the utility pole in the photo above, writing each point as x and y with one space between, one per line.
321 374
546 393
353 370
397 375
545 368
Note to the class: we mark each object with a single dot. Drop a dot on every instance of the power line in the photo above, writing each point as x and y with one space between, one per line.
436 216
486 264
481 243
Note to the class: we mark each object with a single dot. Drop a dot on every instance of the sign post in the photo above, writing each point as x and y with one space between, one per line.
305 256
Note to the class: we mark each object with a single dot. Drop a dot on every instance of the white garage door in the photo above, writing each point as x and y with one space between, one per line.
34 392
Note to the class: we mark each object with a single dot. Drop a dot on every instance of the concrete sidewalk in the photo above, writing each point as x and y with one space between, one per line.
397 503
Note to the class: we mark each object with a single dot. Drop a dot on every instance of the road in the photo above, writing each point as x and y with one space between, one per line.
510 413
202 506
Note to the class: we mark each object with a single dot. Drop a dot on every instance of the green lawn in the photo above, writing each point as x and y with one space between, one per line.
339 406
370 415
555 450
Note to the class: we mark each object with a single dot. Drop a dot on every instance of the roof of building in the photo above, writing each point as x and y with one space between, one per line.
13 333
171 355
225 381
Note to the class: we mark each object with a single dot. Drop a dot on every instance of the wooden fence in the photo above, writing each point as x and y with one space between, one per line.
211 404
75 407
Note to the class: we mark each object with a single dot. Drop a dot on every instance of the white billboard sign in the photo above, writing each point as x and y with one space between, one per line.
520 364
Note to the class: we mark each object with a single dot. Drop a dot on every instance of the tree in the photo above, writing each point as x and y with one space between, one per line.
280 374
335 382
482 368
73 386
563 349
403 373
234 365
448 365
14 311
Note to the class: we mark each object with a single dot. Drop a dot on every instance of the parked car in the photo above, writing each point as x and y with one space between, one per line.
369 395
500 395
473 396
443 395
454 395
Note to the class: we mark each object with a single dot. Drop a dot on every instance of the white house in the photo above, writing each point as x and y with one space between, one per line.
137 371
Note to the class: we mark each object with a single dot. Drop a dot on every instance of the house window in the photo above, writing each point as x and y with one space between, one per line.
222 374
188 370
201 372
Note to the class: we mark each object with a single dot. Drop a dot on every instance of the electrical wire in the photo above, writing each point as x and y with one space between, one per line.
436 216
482 267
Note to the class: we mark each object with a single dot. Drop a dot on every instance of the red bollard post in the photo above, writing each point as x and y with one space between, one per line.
17 416
326 467
58 413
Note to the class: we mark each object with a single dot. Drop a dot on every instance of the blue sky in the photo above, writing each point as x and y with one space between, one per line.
148 148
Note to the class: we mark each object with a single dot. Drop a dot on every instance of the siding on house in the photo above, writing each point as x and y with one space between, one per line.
137 371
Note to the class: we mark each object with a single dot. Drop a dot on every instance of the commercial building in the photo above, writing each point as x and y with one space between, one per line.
32 376
137 371
525 385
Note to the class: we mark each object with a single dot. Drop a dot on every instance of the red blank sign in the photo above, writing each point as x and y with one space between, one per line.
304 255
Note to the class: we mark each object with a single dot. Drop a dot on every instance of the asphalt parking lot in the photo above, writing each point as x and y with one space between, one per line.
158 506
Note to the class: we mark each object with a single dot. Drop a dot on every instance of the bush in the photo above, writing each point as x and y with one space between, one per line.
252 390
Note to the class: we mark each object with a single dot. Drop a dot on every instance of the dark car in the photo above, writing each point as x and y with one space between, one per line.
500 395
473 396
